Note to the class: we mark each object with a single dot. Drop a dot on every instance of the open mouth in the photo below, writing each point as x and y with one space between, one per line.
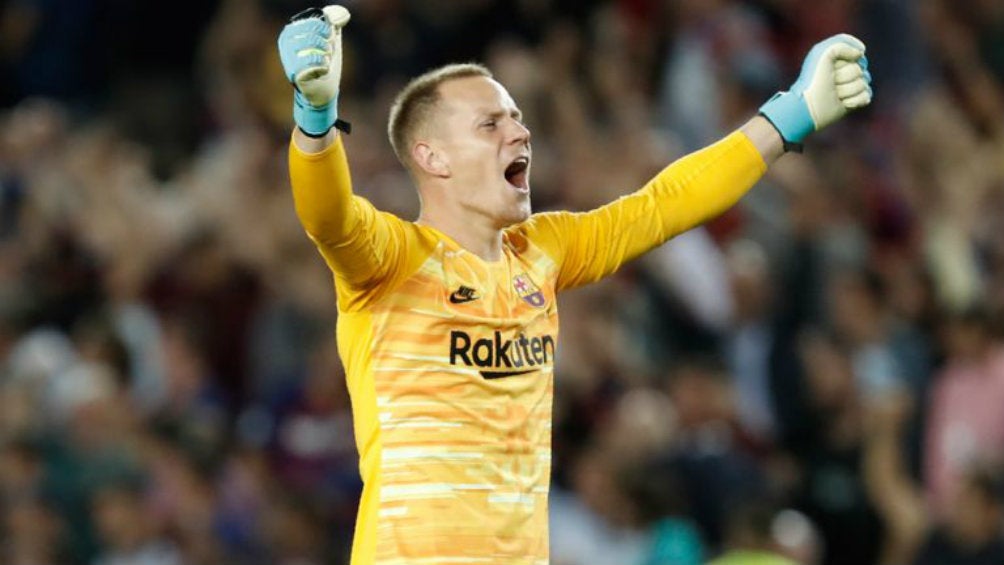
515 173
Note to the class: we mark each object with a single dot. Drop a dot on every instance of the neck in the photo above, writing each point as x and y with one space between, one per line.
478 237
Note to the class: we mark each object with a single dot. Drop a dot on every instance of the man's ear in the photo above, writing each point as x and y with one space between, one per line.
428 159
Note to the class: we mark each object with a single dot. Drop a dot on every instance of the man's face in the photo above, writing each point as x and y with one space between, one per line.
478 130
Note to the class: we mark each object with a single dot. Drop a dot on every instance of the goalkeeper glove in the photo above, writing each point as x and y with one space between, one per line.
833 81
310 47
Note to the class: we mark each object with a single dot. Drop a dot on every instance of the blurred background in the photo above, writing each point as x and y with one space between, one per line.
819 373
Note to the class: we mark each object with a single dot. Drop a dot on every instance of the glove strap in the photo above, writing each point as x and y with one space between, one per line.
789 114
316 121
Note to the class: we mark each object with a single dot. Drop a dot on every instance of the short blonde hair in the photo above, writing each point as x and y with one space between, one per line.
416 101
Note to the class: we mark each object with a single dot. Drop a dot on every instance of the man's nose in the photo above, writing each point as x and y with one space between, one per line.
519 132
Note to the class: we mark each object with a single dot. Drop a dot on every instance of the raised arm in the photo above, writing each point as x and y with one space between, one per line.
591 245
588 246
361 245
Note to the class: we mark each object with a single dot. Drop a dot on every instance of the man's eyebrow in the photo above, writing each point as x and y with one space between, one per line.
496 114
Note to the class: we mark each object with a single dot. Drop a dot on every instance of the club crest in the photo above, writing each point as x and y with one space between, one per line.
528 291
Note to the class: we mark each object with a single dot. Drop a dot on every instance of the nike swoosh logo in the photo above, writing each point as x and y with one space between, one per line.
462 295
502 374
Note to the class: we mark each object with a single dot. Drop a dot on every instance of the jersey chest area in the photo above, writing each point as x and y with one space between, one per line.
499 319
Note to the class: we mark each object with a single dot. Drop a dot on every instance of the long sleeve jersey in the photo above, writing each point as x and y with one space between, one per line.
449 358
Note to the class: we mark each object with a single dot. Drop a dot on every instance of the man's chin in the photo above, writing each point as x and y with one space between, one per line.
516 216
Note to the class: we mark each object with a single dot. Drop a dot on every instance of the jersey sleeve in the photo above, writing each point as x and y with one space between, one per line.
366 249
588 246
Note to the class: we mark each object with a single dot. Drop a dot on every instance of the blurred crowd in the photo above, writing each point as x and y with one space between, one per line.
818 374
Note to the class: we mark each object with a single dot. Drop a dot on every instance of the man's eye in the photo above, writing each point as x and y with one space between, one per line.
489 124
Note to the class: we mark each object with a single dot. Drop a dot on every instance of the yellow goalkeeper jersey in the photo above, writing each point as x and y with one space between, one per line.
449 358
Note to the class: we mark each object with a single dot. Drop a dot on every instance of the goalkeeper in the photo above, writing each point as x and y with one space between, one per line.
448 324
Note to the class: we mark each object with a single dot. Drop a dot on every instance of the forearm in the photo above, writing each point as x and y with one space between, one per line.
322 187
704 184
356 240
765 138
687 193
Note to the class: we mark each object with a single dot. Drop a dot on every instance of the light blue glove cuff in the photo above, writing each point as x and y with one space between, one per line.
789 114
314 121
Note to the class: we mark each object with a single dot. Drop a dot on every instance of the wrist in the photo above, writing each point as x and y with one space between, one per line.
786 146
314 121
789 113
765 138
